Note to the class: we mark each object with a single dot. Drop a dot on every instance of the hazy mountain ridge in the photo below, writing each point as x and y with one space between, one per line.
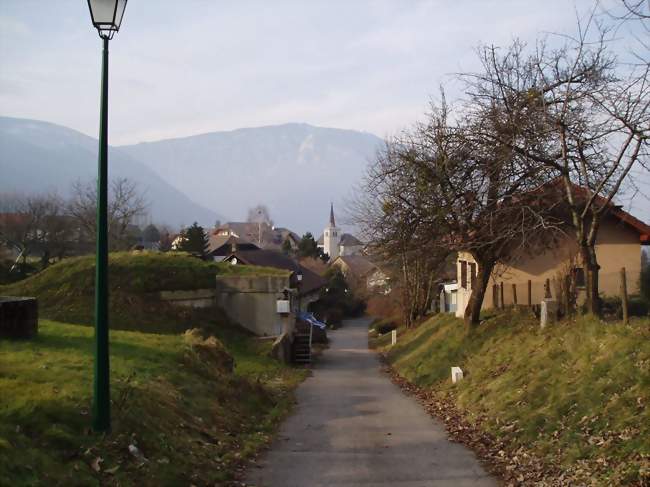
38 156
296 169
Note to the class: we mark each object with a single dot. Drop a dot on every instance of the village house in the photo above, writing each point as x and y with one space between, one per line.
262 234
334 242
362 274
222 246
618 245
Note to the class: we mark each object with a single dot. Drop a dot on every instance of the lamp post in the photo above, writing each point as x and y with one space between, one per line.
106 16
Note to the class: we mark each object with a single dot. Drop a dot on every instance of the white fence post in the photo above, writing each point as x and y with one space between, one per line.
393 337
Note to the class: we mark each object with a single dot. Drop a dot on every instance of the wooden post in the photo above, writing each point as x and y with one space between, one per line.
530 293
495 296
626 316
503 303
567 295
514 294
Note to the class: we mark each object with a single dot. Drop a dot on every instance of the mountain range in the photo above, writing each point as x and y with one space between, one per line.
294 169
39 157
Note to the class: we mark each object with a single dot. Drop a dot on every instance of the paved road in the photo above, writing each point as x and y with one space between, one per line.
353 427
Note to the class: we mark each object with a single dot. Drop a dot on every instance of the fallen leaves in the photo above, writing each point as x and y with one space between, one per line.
517 465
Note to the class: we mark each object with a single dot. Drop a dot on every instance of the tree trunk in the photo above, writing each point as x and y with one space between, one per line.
591 271
473 309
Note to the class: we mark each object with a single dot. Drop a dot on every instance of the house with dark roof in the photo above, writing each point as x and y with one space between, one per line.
261 234
221 246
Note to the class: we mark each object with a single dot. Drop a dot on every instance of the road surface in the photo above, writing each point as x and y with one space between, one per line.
353 427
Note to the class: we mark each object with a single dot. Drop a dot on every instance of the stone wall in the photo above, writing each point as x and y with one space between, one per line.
18 317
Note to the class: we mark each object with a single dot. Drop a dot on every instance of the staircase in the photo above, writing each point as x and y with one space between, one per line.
301 347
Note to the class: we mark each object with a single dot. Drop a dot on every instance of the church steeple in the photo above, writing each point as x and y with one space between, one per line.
331 237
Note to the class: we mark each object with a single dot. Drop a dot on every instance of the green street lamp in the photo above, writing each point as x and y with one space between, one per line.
106 16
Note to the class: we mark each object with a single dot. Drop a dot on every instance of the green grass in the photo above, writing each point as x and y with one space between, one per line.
65 290
173 394
192 420
577 390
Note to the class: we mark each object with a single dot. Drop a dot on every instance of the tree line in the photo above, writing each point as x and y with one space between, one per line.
54 227
544 138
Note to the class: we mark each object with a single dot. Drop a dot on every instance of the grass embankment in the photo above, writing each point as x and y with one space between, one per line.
65 290
175 397
576 394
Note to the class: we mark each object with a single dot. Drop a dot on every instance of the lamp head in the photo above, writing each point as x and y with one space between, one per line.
106 16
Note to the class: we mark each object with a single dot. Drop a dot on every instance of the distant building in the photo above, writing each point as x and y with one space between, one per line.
262 234
362 274
221 246
335 243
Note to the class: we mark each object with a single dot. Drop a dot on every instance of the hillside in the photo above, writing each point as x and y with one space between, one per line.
568 402
65 290
295 169
38 156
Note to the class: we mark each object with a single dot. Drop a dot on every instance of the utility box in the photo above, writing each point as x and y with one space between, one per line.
283 306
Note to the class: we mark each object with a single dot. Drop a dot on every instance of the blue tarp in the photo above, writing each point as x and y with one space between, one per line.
309 318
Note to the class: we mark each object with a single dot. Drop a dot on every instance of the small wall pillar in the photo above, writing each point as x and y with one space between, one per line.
548 312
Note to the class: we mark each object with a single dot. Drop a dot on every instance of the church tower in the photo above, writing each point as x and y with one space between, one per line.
331 237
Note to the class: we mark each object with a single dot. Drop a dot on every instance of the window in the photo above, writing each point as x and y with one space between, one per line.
579 276
463 274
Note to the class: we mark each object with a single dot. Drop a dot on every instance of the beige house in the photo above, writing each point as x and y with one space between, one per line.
618 245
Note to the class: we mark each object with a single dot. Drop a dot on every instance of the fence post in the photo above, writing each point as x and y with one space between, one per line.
495 297
393 337
567 295
514 294
530 293
626 316
503 303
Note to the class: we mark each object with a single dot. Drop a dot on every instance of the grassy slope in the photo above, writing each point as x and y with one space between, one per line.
577 390
65 290
193 422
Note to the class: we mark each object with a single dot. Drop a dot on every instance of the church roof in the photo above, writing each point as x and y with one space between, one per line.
332 221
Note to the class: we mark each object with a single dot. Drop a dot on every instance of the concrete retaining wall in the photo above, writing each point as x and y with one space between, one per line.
251 302
198 298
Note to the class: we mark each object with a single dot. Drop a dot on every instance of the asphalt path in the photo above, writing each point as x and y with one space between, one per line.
353 427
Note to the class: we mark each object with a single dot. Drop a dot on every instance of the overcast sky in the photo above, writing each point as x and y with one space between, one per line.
184 67
192 66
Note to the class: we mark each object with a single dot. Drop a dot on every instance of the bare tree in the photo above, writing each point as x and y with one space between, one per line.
124 205
578 112
36 224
